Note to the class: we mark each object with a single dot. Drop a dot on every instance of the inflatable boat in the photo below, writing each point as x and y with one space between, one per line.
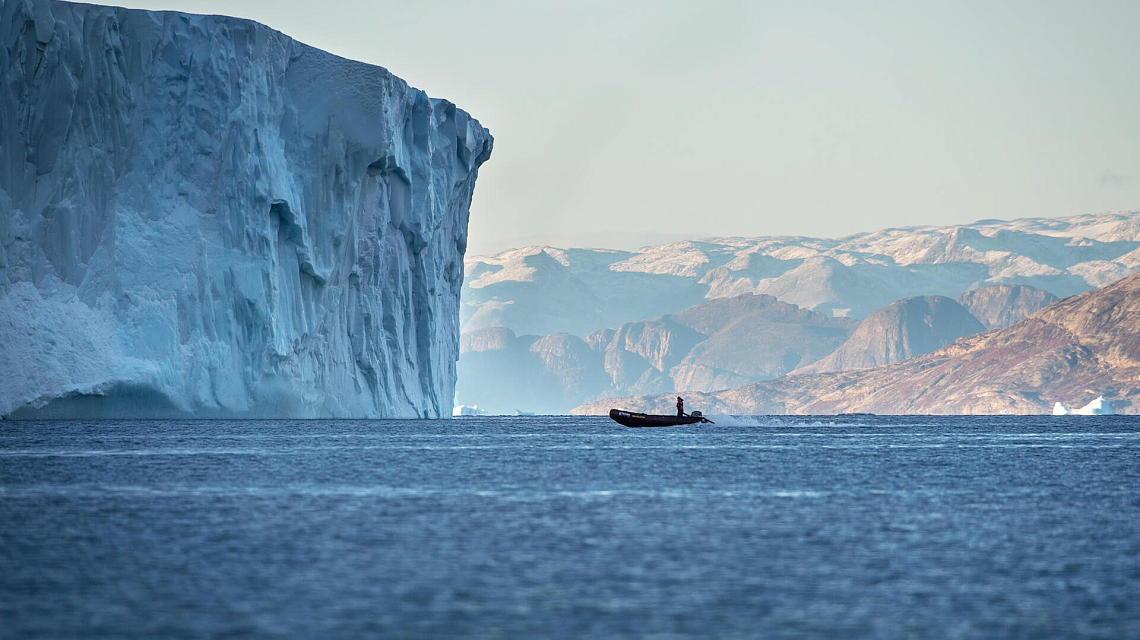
630 419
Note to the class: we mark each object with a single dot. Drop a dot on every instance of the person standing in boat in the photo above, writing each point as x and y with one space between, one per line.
680 407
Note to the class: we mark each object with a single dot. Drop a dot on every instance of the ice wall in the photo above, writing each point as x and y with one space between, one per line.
201 216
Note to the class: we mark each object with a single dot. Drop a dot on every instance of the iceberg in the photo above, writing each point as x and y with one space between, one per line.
1098 407
200 216
467 410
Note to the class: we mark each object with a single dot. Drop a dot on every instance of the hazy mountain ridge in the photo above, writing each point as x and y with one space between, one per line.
1001 306
1071 352
502 372
715 345
899 331
544 290
754 336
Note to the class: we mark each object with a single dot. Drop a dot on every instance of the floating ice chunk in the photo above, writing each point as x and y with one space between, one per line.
1098 407
468 410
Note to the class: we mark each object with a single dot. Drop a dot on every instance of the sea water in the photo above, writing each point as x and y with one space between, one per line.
541 526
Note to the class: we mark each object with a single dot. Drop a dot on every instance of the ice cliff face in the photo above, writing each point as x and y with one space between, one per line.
202 216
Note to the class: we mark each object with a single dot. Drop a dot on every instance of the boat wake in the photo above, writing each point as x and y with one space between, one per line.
727 420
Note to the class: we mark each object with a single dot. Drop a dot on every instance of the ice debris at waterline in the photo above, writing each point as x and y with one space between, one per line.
1098 407
202 216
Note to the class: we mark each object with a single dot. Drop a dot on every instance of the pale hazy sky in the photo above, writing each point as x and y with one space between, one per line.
626 123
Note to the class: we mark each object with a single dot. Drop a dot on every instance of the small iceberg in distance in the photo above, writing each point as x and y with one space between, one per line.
467 410
1098 407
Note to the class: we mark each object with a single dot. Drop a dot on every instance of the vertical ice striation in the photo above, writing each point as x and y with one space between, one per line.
202 216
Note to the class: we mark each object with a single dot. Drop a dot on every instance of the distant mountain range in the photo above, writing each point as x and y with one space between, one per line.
543 290
719 344
1072 351
715 345
549 329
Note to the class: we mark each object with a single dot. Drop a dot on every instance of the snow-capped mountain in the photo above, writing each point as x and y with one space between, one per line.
202 216
542 290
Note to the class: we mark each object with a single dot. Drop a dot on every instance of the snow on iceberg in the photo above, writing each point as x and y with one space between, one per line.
202 216
1098 407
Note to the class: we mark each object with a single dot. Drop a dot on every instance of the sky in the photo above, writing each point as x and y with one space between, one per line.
623 124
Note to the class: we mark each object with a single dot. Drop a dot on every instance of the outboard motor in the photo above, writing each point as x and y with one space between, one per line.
697 414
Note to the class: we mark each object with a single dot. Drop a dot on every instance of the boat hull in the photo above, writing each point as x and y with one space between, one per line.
636 420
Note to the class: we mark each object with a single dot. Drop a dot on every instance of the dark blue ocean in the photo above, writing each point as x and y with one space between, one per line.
570 527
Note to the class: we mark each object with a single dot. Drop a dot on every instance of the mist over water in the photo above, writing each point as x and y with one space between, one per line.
850 525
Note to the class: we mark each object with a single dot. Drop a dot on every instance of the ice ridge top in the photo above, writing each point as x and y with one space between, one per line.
202 216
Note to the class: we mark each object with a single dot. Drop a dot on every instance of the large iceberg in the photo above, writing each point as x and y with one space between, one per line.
201 216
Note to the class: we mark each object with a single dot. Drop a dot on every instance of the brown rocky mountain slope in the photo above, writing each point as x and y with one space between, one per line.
1072 351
